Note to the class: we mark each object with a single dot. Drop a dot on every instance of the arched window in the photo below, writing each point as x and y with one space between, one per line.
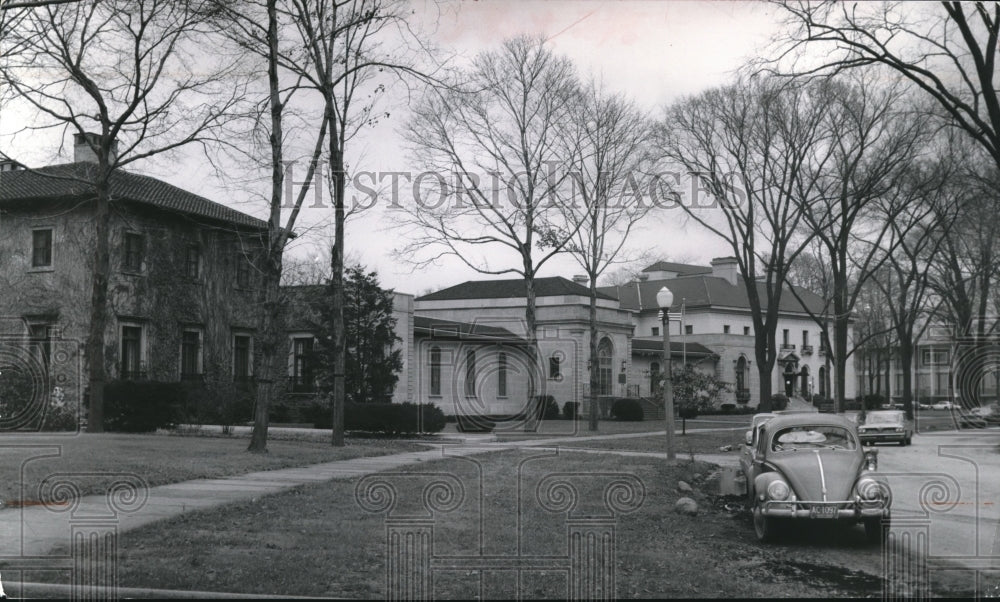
605 352
822 382
435 370
741 374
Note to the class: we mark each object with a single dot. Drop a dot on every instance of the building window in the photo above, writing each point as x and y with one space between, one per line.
40 341
935 357
688 329
746 331
725 329
805 338
243 273
435 371
192 261
242 357
132 366
302 372
470 373
656 331
41 248
784 336
555 366
654 378
191 354
604 355
135 249
502 375
742 389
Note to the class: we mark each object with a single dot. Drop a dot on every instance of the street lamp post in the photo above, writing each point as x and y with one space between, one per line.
665 299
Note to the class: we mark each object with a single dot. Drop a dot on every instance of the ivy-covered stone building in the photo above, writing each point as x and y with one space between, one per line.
182 287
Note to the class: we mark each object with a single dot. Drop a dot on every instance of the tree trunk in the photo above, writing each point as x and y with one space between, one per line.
905 361
595 404
268 318
99 299
765 357
270 329
337 286
534 409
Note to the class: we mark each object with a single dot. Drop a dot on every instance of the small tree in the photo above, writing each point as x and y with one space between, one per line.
696 392
372 366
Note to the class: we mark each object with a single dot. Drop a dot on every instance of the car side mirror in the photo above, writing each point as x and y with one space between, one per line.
871 458
749 438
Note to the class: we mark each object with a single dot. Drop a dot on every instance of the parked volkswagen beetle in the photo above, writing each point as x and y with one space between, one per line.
812 467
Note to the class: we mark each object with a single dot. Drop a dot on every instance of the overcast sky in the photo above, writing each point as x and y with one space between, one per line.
654 51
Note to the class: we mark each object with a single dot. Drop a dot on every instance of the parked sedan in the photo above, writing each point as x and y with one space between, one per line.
943 405
807 467
890 426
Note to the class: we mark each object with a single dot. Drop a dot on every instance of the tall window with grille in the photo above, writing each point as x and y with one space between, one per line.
191 367
604 353
242 357
134 252
502 374
435 371
244 273
41 248
40 344
470 373
192 261
131 352
302 372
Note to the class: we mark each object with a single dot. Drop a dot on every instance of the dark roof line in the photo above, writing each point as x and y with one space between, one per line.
74 180
510 288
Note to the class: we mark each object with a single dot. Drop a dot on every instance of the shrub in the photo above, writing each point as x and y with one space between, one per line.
142 406
384 418
219 402
571 409
779 401
547 406
393 418
687 412
280 412
627 409
873 401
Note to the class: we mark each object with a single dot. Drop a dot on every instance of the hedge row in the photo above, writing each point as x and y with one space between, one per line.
385 418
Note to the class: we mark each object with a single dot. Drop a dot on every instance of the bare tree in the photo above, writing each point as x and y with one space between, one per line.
858 193
128 72
257 27
611 137
947 49
499 135
751 143
963 270
348 47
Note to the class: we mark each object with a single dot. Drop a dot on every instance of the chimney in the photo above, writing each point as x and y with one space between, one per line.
726 268
82 151
581 279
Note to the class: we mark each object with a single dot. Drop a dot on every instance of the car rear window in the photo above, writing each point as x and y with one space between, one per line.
813 437
884 418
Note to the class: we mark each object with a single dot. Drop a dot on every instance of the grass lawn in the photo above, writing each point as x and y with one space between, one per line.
691 443
316 540
159 459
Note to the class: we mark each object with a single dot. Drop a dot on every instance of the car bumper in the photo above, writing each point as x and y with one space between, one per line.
822 510
876 437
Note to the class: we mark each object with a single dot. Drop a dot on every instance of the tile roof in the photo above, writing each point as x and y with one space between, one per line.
448 329
511 289
682 269
71 180
676 347
704 291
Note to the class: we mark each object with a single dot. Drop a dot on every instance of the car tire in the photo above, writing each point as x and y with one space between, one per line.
765 527
908 440
874 531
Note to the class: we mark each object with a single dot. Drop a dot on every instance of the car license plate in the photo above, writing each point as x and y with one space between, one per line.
823 512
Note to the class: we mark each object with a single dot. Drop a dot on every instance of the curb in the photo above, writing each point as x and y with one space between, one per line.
60 590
